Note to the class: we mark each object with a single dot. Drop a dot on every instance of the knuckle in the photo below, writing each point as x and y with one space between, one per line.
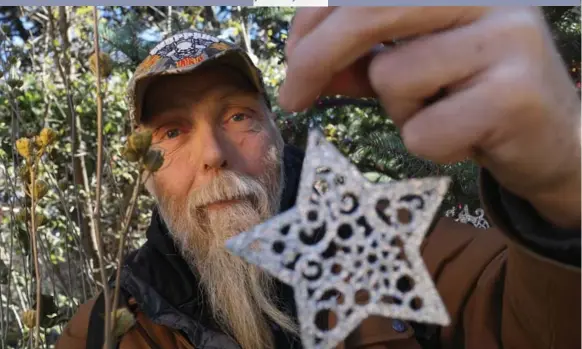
519 92
523 29
383 75
412 140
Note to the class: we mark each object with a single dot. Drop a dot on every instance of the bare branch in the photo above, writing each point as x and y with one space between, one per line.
124 231
210 17
97 213
33 223
77 161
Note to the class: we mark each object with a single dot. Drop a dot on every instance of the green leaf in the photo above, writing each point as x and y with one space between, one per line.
376 177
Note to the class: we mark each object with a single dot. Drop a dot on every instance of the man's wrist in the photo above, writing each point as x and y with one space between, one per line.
561 205
562 213
522 222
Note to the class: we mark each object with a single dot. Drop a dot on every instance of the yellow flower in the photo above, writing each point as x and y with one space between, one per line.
29 318
40 189
46 137
105 64
24 147
130 154
124 320
21 216
39 219
24 174
140 141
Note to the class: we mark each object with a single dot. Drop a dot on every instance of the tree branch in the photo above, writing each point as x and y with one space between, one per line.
370 166
78 164
97 213
63 28
244 35
33 225
124 231
210 17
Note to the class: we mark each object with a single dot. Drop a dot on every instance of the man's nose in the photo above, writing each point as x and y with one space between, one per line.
213 152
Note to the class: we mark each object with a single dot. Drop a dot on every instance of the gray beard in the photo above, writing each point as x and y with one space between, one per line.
238 293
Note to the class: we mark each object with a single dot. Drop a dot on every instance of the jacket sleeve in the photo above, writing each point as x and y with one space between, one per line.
541 289
502 287
74 335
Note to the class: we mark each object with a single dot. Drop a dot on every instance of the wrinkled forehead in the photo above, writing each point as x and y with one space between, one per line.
183 91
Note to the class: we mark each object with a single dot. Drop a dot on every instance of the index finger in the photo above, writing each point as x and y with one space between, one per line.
304 21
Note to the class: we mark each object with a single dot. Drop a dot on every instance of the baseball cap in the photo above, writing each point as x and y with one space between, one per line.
182 53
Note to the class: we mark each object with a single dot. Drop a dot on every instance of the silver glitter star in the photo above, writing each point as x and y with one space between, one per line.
349 248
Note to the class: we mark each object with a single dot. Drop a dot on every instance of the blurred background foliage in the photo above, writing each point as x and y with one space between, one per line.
47 80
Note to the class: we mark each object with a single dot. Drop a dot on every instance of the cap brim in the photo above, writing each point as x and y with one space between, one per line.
236 58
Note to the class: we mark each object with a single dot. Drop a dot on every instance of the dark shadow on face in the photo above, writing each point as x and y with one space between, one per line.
180 91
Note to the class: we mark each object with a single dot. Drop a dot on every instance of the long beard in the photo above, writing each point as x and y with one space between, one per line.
238 293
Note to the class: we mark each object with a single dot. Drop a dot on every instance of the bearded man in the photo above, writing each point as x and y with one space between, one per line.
508 103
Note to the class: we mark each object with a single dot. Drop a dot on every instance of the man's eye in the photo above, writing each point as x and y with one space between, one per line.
239 117
173 133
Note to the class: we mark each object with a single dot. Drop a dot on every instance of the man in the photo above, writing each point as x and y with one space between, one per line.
507 102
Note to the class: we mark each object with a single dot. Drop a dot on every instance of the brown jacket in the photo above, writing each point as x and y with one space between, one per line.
499 293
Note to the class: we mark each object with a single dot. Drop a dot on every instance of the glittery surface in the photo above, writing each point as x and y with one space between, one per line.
349 248
464 216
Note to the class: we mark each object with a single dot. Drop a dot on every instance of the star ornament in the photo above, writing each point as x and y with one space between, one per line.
349 248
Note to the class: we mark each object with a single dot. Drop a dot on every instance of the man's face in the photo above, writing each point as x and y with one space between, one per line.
215 131
221 175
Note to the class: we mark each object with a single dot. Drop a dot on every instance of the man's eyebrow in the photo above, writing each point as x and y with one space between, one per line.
172 115
181 104
237 94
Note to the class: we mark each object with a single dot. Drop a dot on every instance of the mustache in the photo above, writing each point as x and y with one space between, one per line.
228 185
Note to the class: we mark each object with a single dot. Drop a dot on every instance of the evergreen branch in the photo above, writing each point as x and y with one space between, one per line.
371 166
